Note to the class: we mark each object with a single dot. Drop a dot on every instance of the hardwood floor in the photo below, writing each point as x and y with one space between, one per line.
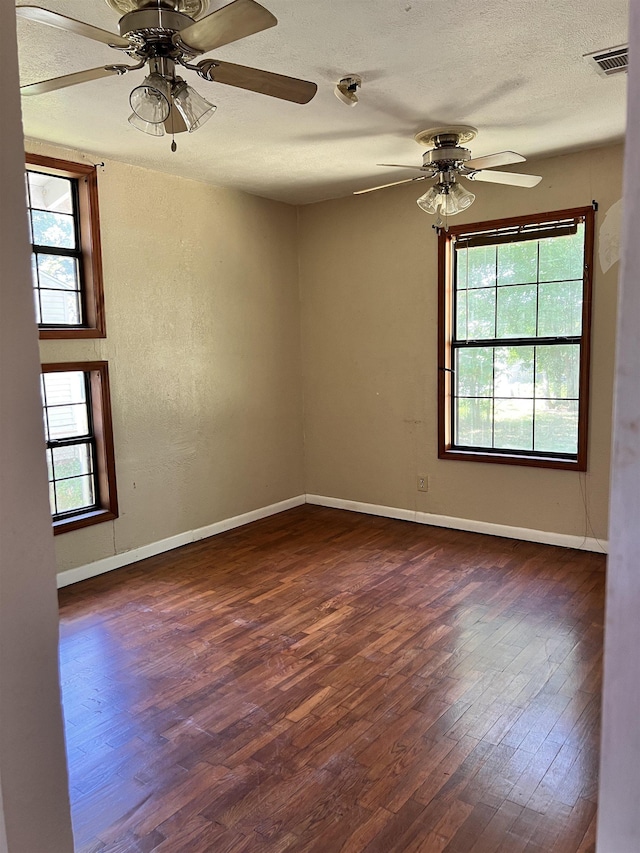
323 681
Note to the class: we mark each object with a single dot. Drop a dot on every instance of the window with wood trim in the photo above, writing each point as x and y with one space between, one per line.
62 201
515 316
79 437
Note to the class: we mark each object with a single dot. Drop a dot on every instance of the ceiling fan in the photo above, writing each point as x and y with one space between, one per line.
166 34
447 161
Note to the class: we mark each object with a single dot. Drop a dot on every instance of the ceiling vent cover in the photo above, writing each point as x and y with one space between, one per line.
611 61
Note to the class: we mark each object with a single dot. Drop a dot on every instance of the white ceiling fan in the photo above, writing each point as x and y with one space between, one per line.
166 34
447 161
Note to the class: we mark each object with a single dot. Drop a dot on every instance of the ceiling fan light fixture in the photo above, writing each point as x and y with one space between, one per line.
446 199
151 101
193 108
146 126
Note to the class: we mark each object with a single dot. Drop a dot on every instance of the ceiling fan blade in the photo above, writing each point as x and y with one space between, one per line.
61 22
238 20
401 166
513 179
54 83
264 82
175 123
502 158
394 184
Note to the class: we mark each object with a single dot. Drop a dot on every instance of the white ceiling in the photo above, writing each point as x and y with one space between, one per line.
512 68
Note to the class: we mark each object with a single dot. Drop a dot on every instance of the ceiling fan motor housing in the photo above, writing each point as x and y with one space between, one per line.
444 157
152 22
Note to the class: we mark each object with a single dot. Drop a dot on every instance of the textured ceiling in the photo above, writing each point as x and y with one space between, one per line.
512 68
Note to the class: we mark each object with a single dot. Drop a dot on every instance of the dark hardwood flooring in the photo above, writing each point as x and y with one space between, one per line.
324 681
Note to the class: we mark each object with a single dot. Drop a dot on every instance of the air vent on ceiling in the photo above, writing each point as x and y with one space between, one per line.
611 61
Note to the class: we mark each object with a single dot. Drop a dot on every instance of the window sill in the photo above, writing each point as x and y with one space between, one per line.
78 332
513 459
76 522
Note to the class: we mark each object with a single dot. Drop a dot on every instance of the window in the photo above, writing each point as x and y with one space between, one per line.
62 200
515 305
78 432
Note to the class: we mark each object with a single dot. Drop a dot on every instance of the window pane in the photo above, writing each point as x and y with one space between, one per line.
560 308
474 372
74 494
513 424
514 372
52 498
64 387
67 421
516 311
49 192
562 258
556 426
518 262
473 423
72 461
461 268
558 371
481 266
53 229
461 315
481 314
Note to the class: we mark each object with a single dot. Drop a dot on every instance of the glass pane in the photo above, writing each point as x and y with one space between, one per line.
461 315
57 272
52 498
53 229
474 372
558 371
49 465
74 494
60 308
49 192
64 387
72 461
67 421
461 269
473 423
560 308
514 372
516 311
518 262
481 266
513 424
556 426
481 314
562 257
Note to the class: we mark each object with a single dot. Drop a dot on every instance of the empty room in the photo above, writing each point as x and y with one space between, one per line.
320 427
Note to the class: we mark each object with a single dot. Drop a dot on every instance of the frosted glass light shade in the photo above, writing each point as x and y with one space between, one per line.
430 201
446 199
193 108
151 101
146 126
463 197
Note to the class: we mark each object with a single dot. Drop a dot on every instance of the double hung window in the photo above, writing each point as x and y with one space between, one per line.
515 305
65 238
80 459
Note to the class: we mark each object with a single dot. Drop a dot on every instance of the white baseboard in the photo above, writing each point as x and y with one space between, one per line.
564 540
92 570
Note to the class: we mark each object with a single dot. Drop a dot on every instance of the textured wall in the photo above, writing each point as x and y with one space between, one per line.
369 293
202 310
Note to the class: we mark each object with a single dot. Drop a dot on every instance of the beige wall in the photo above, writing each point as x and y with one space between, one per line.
368 270
203 345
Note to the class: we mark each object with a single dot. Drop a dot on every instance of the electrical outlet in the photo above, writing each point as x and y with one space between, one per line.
423 483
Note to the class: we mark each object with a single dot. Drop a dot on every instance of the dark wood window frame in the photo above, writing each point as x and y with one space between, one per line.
106 498
91 256
446 319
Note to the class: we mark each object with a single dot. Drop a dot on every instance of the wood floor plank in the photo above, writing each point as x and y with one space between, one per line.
325 681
